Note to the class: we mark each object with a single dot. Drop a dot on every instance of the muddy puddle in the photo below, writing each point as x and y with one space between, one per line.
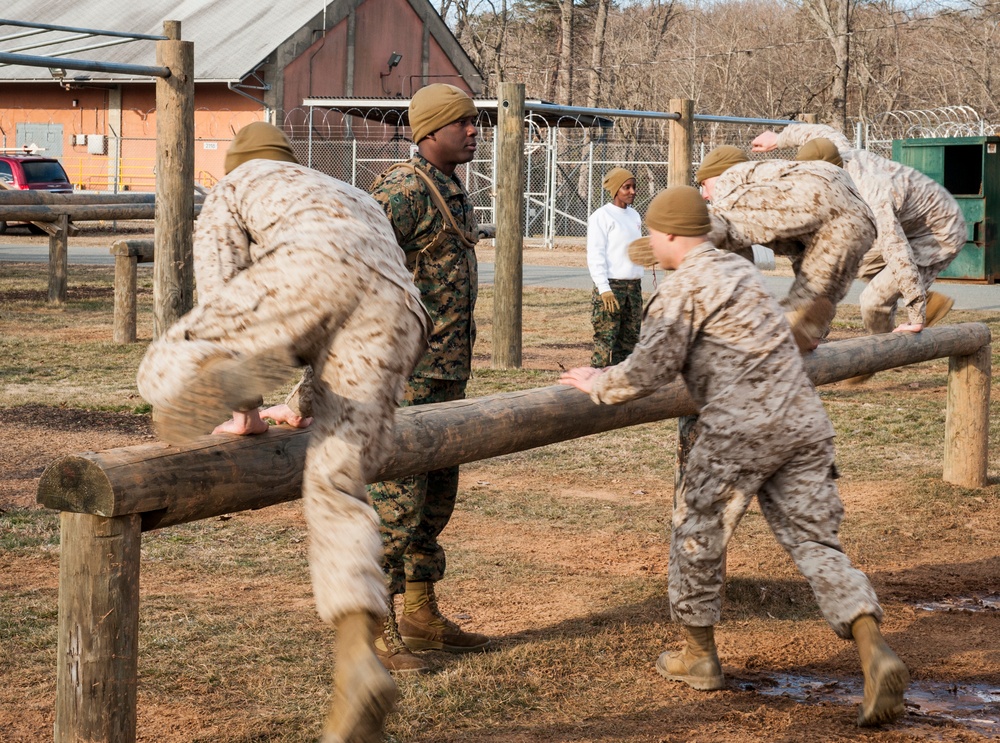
974 603
974 707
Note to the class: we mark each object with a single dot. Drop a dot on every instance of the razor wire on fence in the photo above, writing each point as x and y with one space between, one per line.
566 155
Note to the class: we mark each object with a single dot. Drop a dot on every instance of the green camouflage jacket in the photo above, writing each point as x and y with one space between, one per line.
446 276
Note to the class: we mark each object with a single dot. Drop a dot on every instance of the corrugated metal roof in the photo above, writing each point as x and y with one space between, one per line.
231 37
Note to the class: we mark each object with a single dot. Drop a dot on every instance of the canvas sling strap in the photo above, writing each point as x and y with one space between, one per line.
449 225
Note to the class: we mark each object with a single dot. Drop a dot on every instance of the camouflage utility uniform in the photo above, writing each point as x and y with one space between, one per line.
920 228
294 263
416 509
610 229
762 431
809 211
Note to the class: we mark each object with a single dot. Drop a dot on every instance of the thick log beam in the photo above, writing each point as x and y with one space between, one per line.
81 213
44 198
225 474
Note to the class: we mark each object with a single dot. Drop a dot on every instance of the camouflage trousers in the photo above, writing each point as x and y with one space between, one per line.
415 510
799 500
616 333
879 298
337 319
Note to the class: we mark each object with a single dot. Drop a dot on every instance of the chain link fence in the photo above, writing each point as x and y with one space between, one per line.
565 159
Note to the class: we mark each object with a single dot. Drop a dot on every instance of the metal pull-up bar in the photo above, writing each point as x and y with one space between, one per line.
68 63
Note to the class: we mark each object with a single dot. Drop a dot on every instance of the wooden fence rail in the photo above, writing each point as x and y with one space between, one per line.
109 498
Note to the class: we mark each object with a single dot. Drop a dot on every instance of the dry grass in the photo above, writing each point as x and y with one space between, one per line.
559 553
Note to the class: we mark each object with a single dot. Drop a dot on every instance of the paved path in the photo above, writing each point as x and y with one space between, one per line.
967 296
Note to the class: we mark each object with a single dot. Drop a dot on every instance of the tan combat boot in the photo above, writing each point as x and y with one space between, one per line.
423 627
886 678
938 305
811 323
392 651
697 665
363 693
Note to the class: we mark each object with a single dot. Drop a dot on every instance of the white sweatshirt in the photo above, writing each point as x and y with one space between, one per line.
610 229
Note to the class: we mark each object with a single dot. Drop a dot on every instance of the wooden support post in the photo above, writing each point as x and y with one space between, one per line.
173 272
125 288
508 278
98 629
127 254
680 174
967 422
59 260
681 143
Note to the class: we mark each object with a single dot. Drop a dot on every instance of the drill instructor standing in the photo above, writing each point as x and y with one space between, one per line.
432 216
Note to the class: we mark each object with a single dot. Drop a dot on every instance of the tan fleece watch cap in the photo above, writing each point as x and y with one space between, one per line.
258 141
614 179
436 106
820 148
718 161
679 210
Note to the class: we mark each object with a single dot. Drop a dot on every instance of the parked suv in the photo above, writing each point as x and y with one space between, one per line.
31 173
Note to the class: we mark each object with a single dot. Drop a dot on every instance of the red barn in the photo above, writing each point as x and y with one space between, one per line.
253 60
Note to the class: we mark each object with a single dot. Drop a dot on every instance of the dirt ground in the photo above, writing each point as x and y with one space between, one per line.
575 600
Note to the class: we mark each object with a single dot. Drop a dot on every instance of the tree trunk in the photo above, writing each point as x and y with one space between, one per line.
842 54
566 8
597 53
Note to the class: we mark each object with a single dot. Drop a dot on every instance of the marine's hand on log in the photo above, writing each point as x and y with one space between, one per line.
909 327
582 377
254 422
284 414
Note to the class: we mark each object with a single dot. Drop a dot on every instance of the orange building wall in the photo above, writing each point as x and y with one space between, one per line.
219 113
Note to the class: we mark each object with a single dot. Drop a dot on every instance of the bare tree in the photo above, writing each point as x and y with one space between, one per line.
597 52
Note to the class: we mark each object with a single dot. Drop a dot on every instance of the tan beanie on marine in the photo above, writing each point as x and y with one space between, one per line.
614 179
820 148
678 210
718 161
436 106
258 141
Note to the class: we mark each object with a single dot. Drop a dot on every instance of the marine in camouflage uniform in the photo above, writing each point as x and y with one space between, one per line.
294 265
920 231
762 432
762 428
415 510
809 211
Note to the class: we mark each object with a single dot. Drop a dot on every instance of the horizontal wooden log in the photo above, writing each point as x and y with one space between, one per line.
225 474
141 250
79 213
45 198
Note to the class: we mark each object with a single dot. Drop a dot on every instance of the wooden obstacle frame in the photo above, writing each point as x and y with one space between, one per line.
109 498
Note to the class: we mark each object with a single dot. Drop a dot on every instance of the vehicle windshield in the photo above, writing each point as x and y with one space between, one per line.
44 171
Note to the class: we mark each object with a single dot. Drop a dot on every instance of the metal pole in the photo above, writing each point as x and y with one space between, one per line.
354 162
309 154
590 177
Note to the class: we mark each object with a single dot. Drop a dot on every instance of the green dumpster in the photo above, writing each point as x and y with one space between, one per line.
969 167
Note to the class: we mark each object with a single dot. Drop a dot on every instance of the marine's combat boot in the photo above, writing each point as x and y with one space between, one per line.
423 627
886 678
392 651
363 691
938 305
811 323
697 664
